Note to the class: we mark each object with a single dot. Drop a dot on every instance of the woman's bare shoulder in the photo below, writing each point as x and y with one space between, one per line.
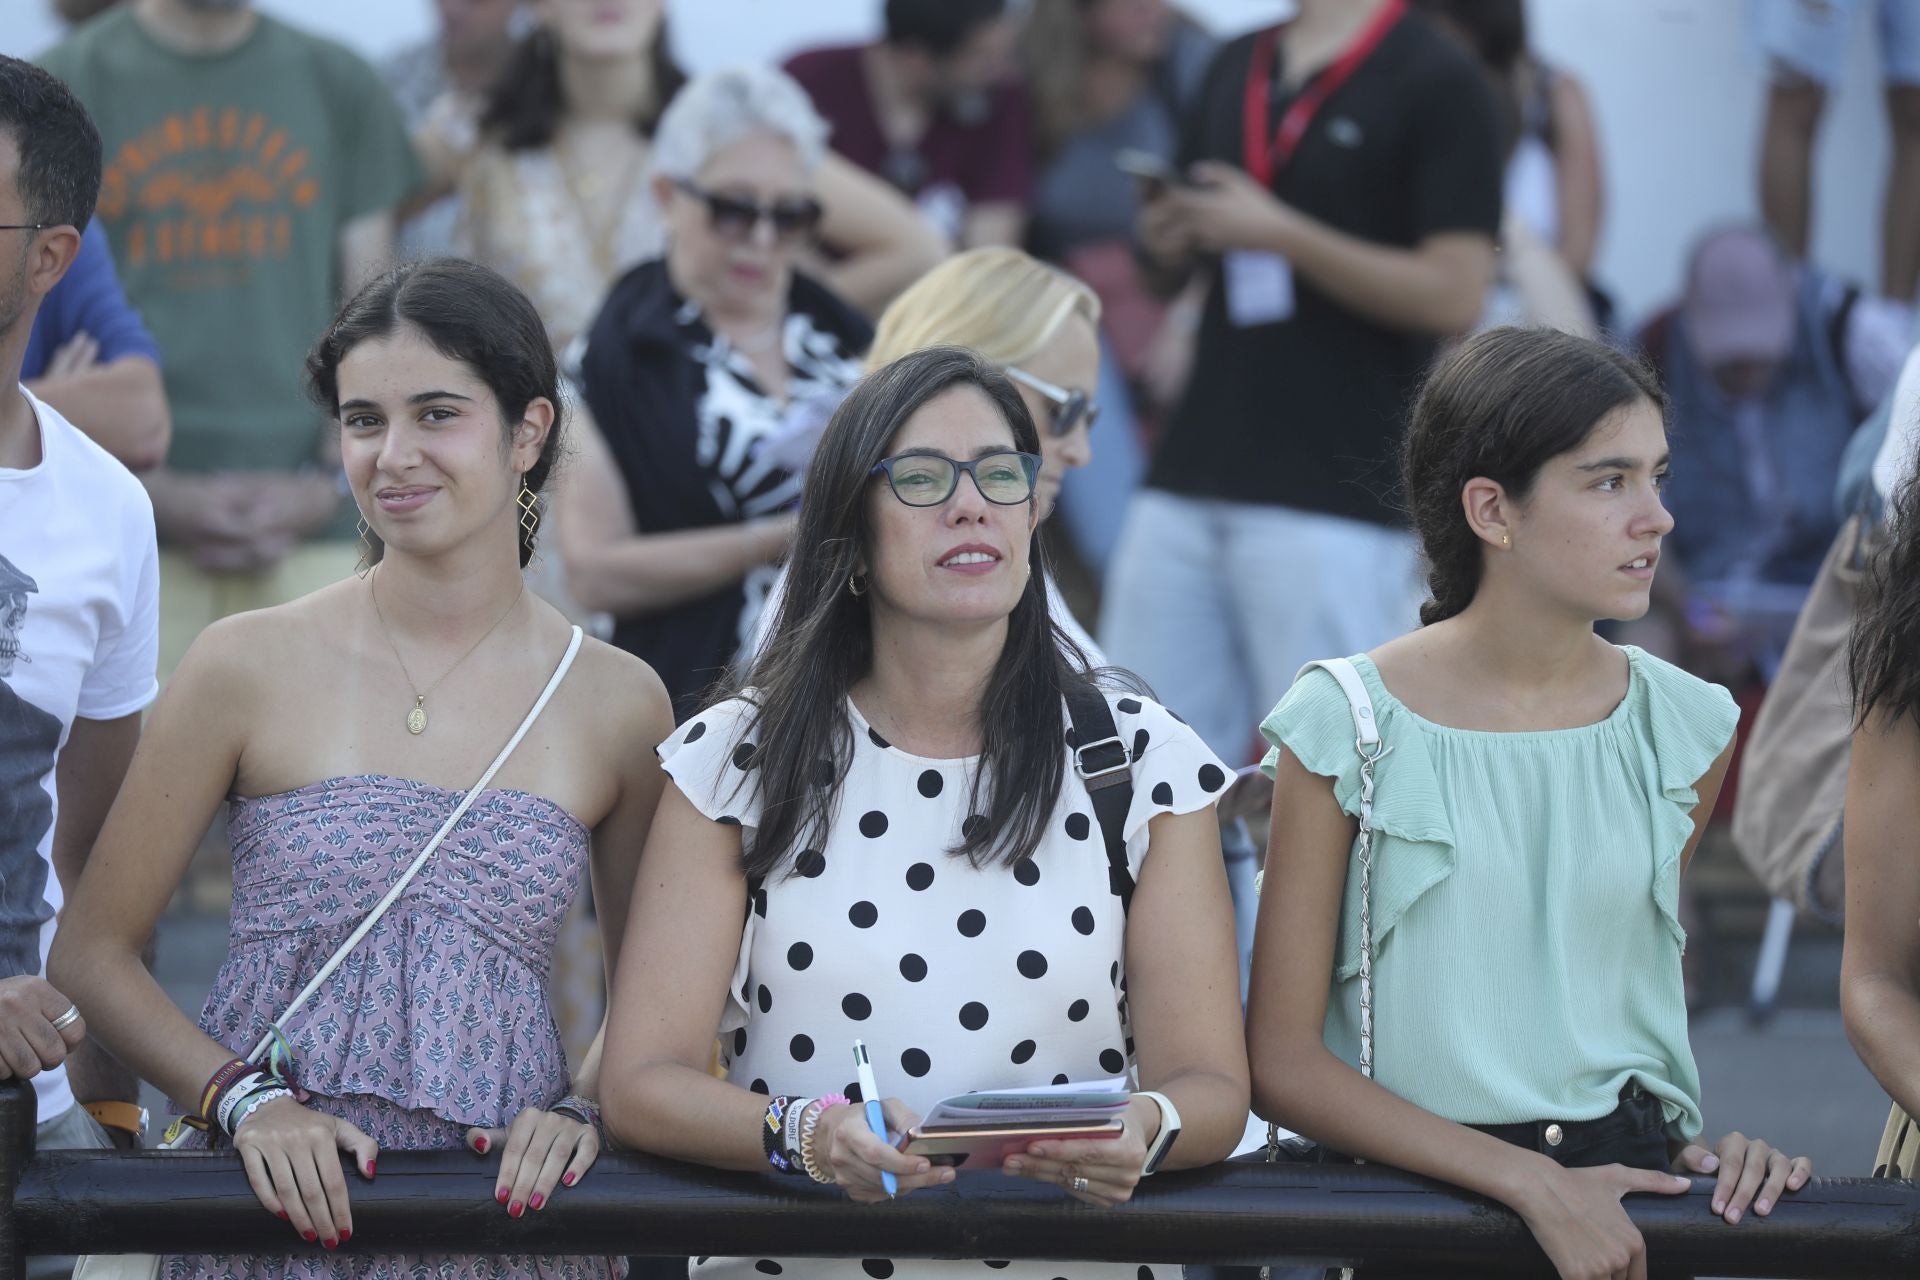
624 695
278 641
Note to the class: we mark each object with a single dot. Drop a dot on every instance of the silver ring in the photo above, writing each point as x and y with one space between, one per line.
67 1019
1079 1184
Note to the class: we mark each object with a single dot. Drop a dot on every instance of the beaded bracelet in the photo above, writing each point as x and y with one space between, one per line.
772 1126
233 1095
254 1101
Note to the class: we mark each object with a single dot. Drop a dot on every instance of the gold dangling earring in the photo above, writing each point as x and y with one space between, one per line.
365 565
530 517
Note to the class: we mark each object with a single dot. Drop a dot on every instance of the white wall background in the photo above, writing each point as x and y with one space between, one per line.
1676 84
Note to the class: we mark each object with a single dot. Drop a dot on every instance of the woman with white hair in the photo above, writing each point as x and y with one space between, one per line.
698 367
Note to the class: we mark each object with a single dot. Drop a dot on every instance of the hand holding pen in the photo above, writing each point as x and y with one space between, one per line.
864 1163
876 1117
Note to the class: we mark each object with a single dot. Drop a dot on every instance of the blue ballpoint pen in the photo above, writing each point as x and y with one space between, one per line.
870 1099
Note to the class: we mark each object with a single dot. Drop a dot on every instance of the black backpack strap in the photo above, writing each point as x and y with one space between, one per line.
1105 767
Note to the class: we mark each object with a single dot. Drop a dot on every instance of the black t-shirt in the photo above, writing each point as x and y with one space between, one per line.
1307 412
696 440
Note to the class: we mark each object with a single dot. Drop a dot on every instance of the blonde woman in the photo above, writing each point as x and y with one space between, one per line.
1037 324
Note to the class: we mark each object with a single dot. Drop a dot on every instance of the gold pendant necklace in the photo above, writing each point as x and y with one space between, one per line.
417 716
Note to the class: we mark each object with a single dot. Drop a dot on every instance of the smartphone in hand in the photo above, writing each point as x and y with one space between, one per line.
1158 173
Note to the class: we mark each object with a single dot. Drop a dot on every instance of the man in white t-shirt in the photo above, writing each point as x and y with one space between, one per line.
78 622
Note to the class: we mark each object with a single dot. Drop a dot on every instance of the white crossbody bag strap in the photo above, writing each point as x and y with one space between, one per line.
406 877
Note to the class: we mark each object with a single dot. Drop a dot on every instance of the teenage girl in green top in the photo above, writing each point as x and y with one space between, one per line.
1541 794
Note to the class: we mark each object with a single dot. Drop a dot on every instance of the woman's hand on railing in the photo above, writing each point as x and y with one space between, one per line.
855 1155
1577 1219
289 1154
1110 1166
543 1150
1751 1173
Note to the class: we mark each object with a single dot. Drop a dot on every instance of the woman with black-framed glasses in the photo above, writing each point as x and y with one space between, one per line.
700 366
894 805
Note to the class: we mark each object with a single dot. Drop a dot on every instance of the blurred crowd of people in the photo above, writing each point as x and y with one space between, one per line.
1264 309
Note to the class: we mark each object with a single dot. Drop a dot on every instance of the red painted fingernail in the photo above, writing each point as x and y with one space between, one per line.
369 1168
282 1213
480 1145
308 1236
571 1178
331 1244
537 1201
515 1209
501 1195
345 1236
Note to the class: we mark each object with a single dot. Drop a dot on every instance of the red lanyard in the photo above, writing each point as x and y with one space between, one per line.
1263 162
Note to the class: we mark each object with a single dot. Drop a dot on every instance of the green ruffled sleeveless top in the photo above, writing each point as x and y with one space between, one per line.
1525 896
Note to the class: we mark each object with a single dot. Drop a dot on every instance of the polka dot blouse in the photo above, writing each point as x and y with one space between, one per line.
957 977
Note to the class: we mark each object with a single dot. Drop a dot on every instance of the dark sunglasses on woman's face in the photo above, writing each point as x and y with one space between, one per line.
735 217
929 479
1067 409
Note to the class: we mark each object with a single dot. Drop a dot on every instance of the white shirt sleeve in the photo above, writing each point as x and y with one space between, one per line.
122 679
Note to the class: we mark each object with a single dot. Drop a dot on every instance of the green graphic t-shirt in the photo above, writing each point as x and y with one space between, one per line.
228 179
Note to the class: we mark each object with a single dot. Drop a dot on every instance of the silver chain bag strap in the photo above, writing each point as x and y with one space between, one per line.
1369 747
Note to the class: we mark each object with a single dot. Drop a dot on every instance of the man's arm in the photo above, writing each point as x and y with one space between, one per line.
87 777
366 249
995 224
103 367
883 242
91 767
121 405
1438 286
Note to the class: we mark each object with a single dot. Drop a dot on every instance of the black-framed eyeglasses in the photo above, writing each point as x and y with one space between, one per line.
26 226
735 217
929 479
1067 409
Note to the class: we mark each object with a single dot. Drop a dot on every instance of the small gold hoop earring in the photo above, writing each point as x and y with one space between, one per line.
856 584
365 565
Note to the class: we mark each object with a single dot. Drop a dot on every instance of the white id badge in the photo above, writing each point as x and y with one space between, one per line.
1259 287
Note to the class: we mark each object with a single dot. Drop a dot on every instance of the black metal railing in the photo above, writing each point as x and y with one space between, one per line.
57 1202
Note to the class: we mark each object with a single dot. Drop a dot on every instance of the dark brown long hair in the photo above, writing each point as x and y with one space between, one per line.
1499 406
821 642
1883 651
526 104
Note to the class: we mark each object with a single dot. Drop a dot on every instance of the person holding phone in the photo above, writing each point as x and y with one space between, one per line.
1341 213
885 835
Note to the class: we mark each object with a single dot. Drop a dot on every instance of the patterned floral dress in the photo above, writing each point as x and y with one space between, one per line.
439 1020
